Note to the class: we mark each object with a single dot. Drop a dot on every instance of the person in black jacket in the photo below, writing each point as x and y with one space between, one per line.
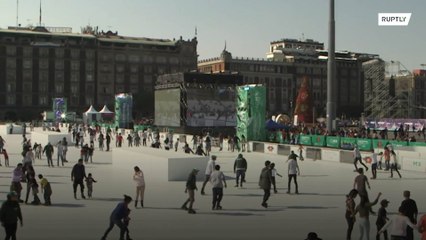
10 213
265 182
191 186
240 168
78 174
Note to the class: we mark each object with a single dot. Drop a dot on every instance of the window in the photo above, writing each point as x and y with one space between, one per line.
27 100
42 100
10 87
90 54
90 66
148 69
11 63
75 53
120 68
89 77
134 68
133 58
27 87
27 63
43 76
75 65
43 63
43 88
134 78
59 53
106 67
74 100
147 79
27 75
59 88
120 57
10 100
74 88
27 52
59 76
11 51
11 75
75 77
147 59
88 100
59 64
161 60
89 89
43 52
119 78
174 60
106 57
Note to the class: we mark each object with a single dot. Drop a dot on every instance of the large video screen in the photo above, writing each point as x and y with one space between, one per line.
167 107
211 107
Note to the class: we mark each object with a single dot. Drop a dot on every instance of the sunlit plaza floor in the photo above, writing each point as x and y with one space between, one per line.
320 206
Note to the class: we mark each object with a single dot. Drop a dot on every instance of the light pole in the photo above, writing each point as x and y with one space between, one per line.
331 65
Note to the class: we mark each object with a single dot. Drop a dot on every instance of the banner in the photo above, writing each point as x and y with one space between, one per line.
364 144
333 142
305 140
347 143
318 140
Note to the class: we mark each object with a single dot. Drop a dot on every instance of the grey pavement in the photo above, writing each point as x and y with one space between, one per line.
319 207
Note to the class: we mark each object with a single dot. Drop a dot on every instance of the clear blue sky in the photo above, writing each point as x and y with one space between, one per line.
247 25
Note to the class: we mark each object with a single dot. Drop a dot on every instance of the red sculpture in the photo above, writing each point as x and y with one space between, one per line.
303 108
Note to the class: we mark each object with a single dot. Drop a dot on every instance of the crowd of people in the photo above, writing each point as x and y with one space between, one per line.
399 227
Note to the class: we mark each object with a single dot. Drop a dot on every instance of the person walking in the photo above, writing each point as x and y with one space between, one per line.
240 168
217 179
394 167
17 177
409 208
293 171
108 141
382 219
209 170
78 174
350 212
2 142
139 179
60 153
265 181
101 140
191 186
64 149
399 225
364 212
274 173
360 183
10 214
118 216
46 189
89 184
6 157
48 150
358 158
374 164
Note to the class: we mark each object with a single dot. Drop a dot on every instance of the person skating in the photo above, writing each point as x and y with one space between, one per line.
265 181
409 208
274 173
48 150
118 217
139 179
78 174
209 170
382 219
10 213
217 179
240 168
399 225
358 158
191 186
363 209
394 167
46 189
6 158
350 212
89 183
17 177
374 164
293 171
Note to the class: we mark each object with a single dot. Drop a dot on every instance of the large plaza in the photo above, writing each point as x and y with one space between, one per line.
319 207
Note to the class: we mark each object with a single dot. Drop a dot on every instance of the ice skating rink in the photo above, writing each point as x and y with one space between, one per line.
320 206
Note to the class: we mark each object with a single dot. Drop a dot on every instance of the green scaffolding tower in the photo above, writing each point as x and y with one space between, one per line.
251 111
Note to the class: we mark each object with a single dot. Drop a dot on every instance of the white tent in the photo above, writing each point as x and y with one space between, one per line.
91 115
105 110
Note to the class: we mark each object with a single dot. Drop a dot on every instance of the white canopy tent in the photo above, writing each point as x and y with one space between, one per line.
106 113
91 115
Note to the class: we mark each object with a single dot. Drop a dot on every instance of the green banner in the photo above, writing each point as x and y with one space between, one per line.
381 143
347 143
305 140
318 140
333 142
399 143
364 144
417 144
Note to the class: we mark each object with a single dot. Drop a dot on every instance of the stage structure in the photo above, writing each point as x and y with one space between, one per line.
251 112
59 108
196 101
123 110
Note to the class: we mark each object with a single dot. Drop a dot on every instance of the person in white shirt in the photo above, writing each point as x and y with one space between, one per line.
293 171
209 169
398 224
140 185
274 173
357 158
217 179
374 163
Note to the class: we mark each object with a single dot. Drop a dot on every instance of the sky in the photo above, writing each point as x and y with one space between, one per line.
247 26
